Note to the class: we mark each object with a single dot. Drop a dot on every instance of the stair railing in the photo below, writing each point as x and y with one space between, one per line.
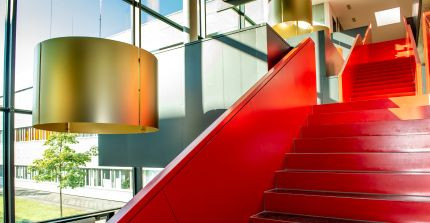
345 81
425 24
368 35
222 174
411 44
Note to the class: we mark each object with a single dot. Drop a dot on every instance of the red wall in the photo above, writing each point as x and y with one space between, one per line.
221 176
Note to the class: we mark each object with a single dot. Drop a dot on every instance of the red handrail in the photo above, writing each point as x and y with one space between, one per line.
410 42
344 78
368 35
425 24
235 158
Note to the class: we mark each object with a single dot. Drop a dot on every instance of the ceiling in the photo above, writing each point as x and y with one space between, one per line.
364 13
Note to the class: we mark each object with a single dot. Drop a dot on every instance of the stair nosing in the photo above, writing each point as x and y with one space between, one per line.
340 194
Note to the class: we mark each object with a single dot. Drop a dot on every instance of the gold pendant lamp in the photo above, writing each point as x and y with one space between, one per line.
291 17
94 85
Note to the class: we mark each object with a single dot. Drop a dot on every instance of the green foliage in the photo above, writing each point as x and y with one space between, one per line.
61 163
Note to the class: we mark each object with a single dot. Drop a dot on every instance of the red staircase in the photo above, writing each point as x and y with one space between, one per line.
393 68
357 161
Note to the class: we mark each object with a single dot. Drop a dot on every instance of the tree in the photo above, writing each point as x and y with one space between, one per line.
62 164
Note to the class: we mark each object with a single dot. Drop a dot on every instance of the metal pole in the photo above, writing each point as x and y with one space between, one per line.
191 28
137 179
8 116
133 23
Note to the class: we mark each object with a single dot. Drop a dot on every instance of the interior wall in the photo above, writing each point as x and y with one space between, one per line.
197 83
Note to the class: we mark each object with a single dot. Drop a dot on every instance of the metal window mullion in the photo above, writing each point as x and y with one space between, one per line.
8 116
155 14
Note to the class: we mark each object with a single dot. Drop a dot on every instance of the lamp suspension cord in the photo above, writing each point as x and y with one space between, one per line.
100 17
133 23
139 55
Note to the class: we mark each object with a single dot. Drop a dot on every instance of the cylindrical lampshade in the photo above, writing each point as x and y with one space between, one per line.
94 85
297 10
290 17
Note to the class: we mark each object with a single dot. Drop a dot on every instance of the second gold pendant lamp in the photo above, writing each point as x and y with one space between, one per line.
290 17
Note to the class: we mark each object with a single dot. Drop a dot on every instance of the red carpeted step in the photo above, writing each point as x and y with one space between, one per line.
372 161
400 183
373 88
389 66
367 207
381 78
274 217
402 143
374 115
408 78
382 96
373 104
361 75
387 91
406 127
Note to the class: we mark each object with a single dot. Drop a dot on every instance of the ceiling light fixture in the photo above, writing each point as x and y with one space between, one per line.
388 17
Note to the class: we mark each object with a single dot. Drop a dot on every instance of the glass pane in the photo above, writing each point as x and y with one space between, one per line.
37 185
149 173
255 11
45 19
318 14
170 9
220 21
157 34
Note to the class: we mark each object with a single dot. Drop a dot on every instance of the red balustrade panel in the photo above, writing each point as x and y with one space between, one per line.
222 175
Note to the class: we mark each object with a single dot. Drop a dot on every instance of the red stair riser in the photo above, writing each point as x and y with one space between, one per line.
387 91
392 114
261 220
377 183
407 143
348 208
359 89
359 161
402 80
389 75
410 101
362 70
368 129
373 97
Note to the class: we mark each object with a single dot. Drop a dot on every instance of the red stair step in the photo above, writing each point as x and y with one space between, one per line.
364 207
391 67
369 129
383 91
273 217
404 143
360 89
381 77
399 183
361 74
409 78
382 96
358 161
373 104
392 114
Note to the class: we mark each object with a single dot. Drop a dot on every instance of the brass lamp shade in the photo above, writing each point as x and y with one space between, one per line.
94 85
291 17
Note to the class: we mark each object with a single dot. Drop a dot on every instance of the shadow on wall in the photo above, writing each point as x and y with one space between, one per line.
215 74
157 149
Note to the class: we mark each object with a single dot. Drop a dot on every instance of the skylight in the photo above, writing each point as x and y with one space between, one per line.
387 17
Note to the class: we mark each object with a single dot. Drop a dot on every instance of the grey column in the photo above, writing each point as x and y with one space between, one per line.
191 25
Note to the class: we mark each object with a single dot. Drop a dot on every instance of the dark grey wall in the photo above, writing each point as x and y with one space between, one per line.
197 82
